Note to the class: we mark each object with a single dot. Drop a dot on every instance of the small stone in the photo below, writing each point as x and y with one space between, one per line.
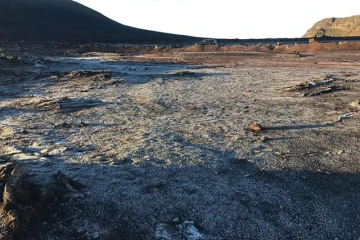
95 235
278 153
24 131
255 127
176 220
102 159
63 125
340 152
339 119
263 138
77 196
54 153
44 151
355 104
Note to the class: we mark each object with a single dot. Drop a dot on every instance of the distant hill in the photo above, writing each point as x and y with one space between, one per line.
67 20
335 27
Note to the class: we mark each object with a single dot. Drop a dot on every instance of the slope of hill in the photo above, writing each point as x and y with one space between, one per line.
335 27
64 20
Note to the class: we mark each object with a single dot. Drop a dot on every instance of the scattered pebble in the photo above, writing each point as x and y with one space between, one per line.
255 127
44 151
263 138
55 153
340 152
24 131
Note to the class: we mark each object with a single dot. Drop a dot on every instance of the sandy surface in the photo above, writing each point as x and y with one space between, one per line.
151 142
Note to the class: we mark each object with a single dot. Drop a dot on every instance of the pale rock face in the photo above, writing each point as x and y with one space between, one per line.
335 27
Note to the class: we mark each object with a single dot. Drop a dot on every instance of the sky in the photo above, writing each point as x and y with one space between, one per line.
225 18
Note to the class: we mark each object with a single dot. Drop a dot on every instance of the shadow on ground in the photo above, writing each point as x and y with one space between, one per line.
298 127
244 202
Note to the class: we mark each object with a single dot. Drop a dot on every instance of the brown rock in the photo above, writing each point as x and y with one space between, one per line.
11 220
255 127
312 41
355 105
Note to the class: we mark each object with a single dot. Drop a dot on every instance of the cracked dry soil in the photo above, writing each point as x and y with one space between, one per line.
160 146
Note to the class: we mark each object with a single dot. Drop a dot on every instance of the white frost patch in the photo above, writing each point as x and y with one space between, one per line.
185 230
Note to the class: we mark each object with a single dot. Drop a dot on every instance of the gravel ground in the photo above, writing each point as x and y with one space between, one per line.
155 145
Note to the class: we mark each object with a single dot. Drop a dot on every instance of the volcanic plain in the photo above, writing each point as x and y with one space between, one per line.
104 141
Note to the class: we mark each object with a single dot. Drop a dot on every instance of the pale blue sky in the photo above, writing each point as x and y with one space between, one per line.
224 18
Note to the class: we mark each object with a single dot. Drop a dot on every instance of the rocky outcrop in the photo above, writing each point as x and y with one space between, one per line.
14 196
335 27
25 205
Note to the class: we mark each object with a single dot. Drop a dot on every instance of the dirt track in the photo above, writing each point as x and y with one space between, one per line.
147 143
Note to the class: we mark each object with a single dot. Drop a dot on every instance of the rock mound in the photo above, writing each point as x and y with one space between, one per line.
335 27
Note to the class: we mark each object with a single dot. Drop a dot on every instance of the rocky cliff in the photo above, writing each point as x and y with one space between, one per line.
335 27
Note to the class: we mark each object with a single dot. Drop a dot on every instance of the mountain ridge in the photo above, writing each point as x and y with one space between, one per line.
68 20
